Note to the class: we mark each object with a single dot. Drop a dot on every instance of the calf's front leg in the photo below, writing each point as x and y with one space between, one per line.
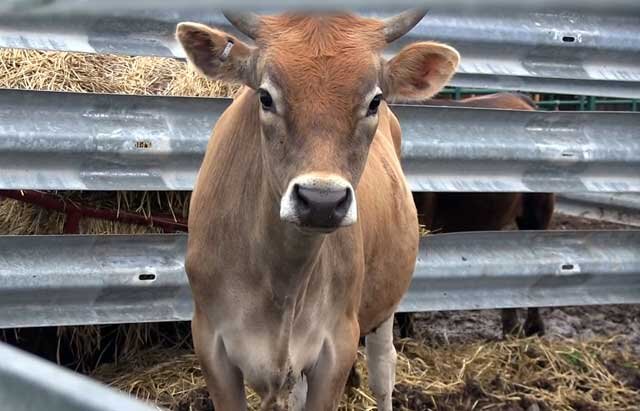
327 379
224 380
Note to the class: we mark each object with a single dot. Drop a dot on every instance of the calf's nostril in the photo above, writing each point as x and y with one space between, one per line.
302 199
345 201
346 198
342 208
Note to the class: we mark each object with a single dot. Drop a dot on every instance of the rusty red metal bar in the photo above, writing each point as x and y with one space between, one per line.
75 212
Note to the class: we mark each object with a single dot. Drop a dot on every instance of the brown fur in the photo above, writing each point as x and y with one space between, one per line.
345 256
315 56
274 302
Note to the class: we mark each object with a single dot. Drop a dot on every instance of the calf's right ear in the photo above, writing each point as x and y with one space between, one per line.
218 55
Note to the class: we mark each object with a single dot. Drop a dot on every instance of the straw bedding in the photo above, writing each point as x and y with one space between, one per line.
521 374
526 374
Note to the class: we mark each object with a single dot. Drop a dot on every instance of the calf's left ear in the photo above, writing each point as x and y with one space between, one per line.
419 71
218 55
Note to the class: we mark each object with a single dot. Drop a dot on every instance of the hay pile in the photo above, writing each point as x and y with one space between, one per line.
510 375
22 218
104 73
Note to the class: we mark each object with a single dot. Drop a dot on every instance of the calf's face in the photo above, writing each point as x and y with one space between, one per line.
319 83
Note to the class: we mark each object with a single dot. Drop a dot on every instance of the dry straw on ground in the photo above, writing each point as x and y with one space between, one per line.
511 375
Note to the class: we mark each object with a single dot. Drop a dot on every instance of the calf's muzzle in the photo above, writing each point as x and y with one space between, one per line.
322 204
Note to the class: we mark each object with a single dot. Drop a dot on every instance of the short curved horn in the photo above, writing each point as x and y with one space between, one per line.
247 22
400 24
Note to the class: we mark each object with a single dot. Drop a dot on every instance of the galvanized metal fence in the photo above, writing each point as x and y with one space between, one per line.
582 51
28 383
70 280
66 141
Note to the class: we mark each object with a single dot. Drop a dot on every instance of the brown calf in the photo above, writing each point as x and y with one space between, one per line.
302 232
455 212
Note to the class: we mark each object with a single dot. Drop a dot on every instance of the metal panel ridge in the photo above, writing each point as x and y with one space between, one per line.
538 49
70 280
75 279
82 6
67 141
29 383
511 269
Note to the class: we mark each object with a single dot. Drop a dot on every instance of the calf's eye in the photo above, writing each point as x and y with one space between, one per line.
374 105
265 100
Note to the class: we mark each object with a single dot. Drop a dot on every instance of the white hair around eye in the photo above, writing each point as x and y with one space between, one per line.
371 103
370 95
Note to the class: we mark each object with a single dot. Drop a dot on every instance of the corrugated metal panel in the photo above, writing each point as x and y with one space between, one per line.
66 280
525 269
82 6
571 52
66 141
28 383
71 280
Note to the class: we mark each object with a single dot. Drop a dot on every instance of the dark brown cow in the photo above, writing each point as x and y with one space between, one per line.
456 212
303 234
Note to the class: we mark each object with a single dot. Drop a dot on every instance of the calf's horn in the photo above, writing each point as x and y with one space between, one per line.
394 27
400 24
247 22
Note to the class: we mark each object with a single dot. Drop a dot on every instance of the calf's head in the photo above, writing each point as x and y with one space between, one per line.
319 82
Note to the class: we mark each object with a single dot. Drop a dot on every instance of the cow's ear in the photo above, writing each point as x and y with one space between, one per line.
218 55
419 71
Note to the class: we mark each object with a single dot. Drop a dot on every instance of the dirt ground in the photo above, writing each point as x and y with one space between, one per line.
580 323
575 325
565 222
